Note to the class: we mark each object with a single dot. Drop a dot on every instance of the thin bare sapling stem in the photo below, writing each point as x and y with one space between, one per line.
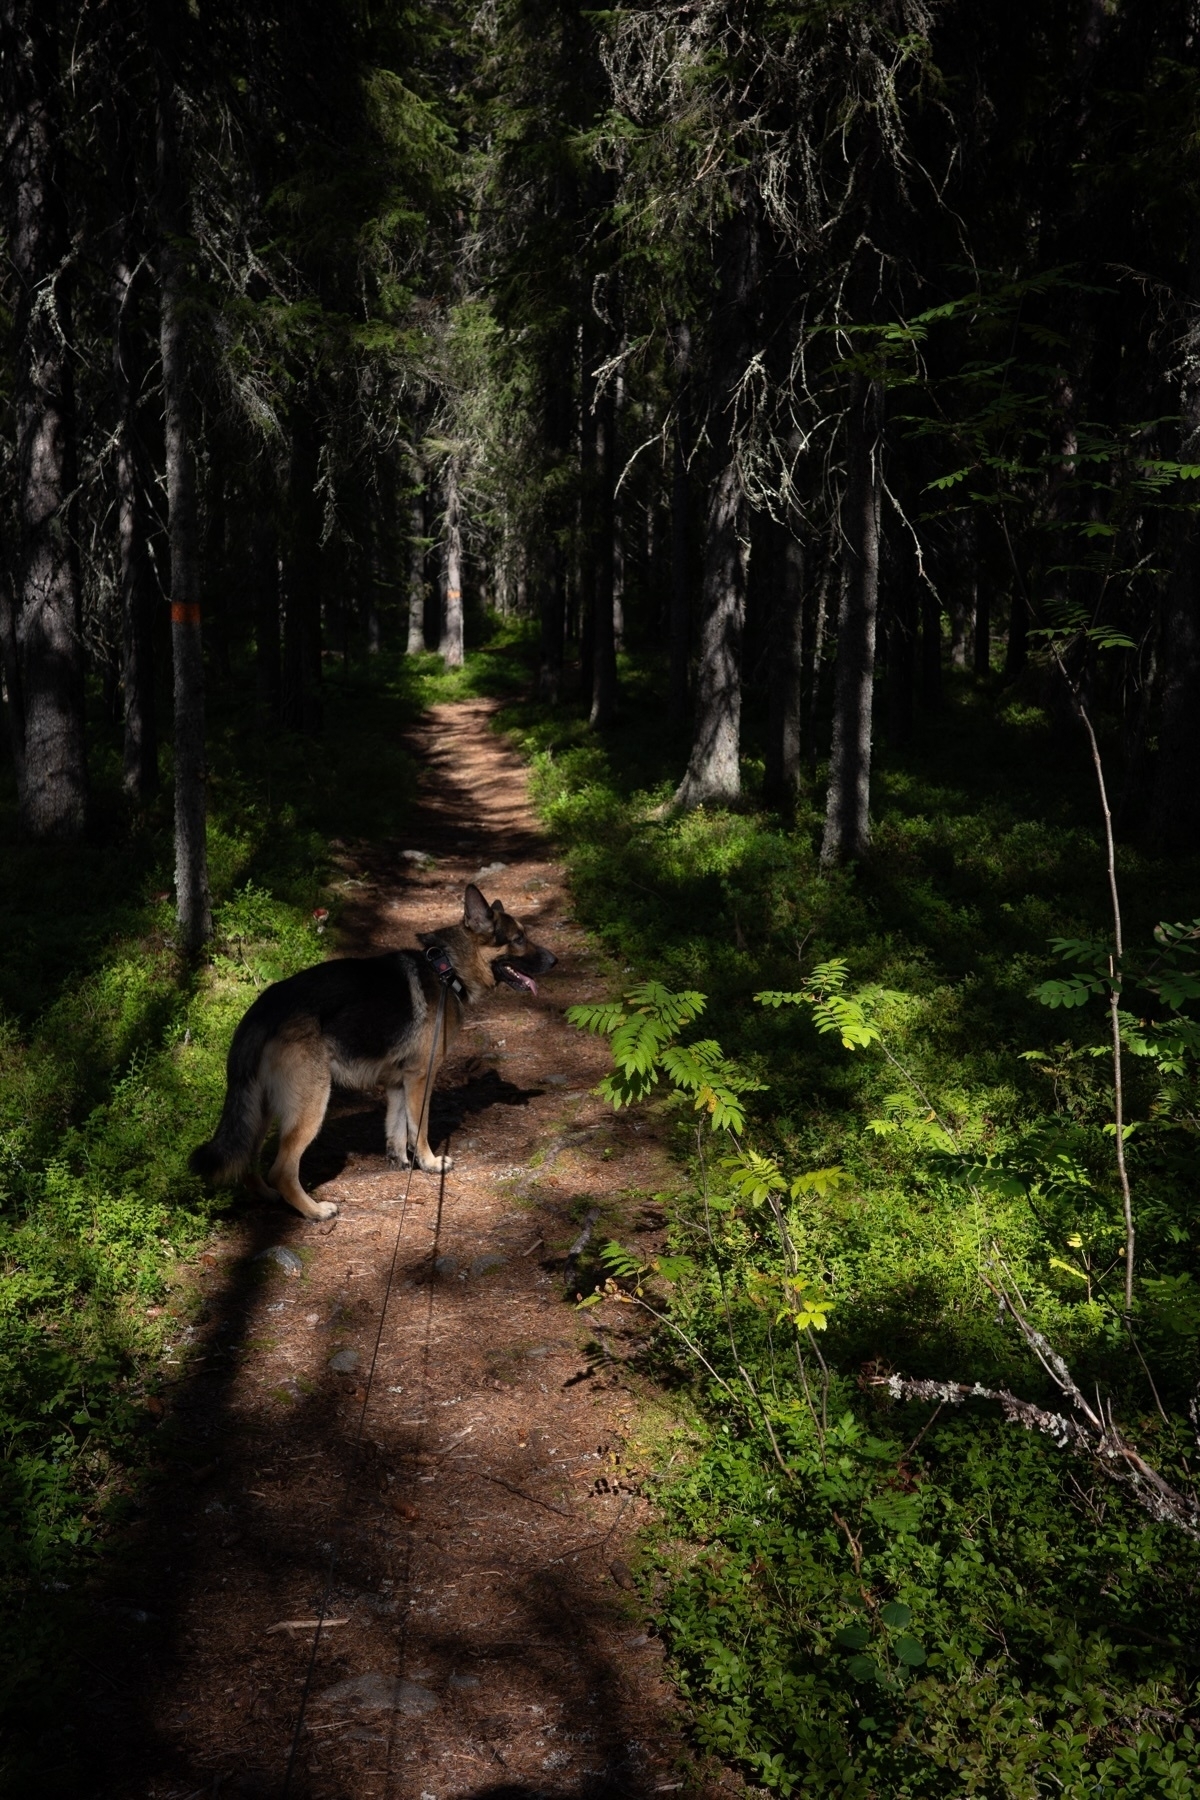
1114 981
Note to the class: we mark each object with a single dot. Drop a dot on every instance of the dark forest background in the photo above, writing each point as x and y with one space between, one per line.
794 410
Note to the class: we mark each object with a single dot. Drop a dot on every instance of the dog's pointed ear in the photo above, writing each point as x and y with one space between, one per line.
477 914
497 909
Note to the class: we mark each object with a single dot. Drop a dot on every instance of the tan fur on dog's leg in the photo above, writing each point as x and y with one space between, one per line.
396 1130
414 1094
296 1133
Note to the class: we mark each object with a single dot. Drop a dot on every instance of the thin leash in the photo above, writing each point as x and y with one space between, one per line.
352 1467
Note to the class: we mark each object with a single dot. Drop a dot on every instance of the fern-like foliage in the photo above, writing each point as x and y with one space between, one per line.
834 1012
643 1031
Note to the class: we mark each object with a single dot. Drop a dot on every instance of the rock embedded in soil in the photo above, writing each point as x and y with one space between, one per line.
344 1362
482 1265
376 1692
283 1258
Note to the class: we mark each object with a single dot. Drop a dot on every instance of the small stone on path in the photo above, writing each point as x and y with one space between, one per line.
376 1692
284 1258
344 1362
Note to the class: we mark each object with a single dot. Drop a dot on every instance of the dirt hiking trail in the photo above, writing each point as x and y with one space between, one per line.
484 1636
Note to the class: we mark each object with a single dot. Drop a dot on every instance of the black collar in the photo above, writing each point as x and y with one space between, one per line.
443 968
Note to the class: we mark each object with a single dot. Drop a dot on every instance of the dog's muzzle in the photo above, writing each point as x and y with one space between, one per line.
520 971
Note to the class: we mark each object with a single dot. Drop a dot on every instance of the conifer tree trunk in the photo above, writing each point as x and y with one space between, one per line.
713 772
604 641
451 647
44 643
781 782
192 900
1175 804
301 700
416 568
847 816
138 587
680 620
552 593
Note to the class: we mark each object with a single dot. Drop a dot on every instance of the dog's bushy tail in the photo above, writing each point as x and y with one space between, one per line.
233 1146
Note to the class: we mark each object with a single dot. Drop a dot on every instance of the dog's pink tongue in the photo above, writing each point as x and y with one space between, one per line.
526 981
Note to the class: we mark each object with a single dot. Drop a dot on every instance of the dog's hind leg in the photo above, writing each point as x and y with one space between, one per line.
301 1087
418 1125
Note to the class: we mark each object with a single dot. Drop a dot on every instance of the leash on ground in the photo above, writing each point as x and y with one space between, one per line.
352 1467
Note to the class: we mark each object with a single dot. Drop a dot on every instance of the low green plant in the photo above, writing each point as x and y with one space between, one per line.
875 1602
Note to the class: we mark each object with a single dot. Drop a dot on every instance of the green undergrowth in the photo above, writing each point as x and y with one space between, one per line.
866 1596
112 1053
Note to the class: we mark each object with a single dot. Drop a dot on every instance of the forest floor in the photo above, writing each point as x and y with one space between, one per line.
485 1634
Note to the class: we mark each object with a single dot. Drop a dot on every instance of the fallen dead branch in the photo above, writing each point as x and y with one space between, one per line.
1088 1429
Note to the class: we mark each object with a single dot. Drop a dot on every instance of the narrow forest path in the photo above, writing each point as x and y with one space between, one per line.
487 1640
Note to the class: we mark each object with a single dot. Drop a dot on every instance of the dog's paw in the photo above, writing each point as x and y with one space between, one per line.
324 1209
398 1159
437 1165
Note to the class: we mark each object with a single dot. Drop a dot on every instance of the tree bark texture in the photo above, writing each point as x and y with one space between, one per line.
902 611
847 815
781 782
301 702
604 637
139 589
192 899
1175 805
679 634
46 642
451 647
713 773
416 569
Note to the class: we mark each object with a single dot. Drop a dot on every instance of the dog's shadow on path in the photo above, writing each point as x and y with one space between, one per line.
354 1124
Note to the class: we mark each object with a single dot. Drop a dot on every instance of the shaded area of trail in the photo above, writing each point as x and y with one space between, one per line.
491 1645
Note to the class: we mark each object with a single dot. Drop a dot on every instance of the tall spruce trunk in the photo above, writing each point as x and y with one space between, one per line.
138 586
782 775
44 640
416 567
713 773
552 575
1175 803
847 814
679 634
604 635
301 699
192 899
451 647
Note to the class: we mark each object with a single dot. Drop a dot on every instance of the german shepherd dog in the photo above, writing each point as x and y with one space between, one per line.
363 1022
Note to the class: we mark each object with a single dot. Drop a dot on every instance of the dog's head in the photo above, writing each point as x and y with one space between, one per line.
486 928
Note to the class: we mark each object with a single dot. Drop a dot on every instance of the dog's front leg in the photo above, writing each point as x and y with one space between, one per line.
396 1129
418 1127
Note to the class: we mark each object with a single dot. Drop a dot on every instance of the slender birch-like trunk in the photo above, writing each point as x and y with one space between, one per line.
416 566
679 650
604 639
847 816
451 646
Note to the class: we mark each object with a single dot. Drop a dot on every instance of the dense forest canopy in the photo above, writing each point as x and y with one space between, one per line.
784 383
801 346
